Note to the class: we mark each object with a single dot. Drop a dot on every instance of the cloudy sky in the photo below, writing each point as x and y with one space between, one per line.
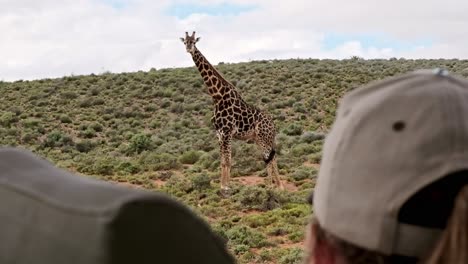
54 38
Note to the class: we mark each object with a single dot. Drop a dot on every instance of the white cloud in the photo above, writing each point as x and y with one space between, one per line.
52 38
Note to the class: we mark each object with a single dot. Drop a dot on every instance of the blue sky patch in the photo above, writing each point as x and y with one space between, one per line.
184 10
377 40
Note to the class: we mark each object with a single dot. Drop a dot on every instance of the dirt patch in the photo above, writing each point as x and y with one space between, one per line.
289 186
250 180
249 212
312 165
256 180
292 245
159 183
286 243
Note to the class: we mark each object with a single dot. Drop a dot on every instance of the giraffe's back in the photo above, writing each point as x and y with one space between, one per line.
236 117
240 119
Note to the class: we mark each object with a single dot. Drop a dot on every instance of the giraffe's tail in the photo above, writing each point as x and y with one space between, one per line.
270 156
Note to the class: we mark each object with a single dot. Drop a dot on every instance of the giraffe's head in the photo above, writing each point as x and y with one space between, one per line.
189 42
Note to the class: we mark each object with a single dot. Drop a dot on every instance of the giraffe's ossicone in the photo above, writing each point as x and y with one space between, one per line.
233 118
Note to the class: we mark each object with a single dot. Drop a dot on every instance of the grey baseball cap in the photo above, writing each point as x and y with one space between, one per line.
390 139
49 215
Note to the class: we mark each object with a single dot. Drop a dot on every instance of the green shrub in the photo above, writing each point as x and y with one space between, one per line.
85 145
150 108
201 182
299 107
303 173
293 256
12 132
140 143
158 161
177 108
242 235
179 183
296 236
88 133
65 119
155 124
265 256
29 138
209 160
239 249
165 103
309 137
293 130
255 197
303 149
7 118
104 166
252 197
164 175
86 103
31 122
96 127
69 95
128 167
316 157
94 91
260 220
57 139
190 157
98 101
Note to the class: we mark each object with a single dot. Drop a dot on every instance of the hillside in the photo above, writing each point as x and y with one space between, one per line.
152 130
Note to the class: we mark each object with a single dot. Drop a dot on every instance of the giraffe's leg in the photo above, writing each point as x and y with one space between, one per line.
265 137
275 174
269 156
225 149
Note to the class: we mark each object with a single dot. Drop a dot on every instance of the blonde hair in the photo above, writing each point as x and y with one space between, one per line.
353 254
452 247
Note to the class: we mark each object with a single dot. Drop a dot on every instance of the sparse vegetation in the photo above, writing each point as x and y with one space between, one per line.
152 130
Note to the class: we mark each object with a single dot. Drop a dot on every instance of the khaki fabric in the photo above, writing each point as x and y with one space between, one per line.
48 216
390 139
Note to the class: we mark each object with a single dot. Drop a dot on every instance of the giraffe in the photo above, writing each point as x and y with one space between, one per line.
234 119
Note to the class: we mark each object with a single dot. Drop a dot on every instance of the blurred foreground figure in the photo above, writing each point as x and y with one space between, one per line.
392 186
50 216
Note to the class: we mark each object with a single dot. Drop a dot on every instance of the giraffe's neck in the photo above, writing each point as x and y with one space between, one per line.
217 85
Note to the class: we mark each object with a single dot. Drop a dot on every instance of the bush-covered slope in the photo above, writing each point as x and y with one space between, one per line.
152 130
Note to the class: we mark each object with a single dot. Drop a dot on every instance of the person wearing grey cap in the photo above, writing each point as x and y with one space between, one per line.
393 182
